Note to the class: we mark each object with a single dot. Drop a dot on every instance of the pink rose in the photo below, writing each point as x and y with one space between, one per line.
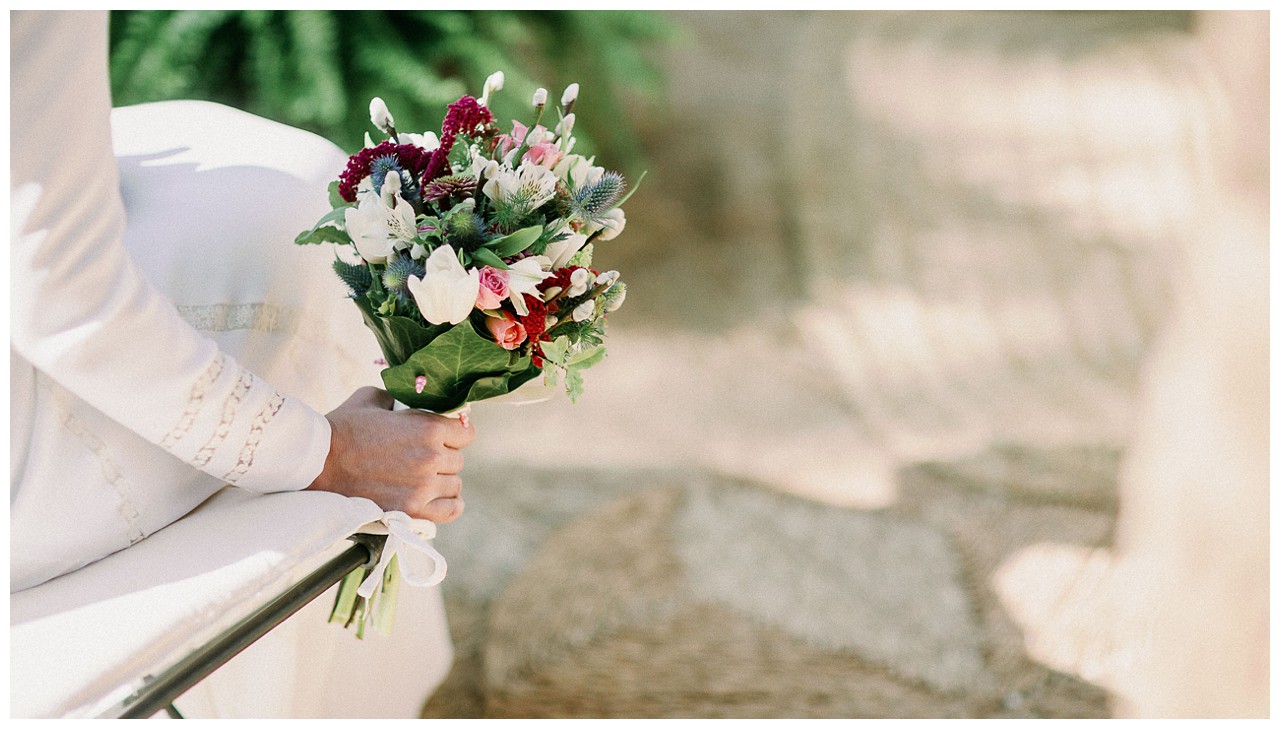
543 153
507 332
493 288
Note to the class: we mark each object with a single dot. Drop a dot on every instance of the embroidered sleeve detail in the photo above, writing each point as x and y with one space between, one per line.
229 408
258 317
111 472
195 401
265 415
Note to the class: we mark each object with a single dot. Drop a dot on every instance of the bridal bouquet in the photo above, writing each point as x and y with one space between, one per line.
473 251
469 255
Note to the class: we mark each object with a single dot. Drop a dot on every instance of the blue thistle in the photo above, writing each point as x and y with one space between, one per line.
592 201
396 276
388 164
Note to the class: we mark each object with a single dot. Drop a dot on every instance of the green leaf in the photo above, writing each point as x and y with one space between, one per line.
321 235
398 336
586 358
323 232
459 366
509 245
573 384
335 198
488 258
556 350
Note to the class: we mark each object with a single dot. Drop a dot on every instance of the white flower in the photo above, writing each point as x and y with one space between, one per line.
491 84
615 303
576 170
562 250
535 136
379 224
417 251
613 223
447 291
380 115
585 310
523 278
607 278
579 280
570 95
540 98
427 140
535 183
566 125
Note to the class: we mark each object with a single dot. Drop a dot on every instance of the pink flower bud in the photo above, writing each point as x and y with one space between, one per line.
419 384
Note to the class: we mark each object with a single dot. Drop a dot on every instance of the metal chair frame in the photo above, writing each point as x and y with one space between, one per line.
159 692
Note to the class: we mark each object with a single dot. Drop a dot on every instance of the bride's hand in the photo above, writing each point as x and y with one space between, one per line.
403 461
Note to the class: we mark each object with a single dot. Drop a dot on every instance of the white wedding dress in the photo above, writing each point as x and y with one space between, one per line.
168 338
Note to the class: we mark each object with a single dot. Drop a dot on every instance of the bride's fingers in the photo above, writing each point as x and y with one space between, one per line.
448 462
442 511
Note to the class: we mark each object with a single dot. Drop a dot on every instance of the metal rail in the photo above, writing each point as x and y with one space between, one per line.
159 692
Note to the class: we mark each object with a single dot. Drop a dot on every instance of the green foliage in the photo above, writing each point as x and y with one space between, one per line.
459 366
317 69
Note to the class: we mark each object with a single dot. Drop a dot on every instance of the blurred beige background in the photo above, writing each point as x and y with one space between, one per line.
939 389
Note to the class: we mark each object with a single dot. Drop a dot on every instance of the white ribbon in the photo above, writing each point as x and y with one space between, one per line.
420 564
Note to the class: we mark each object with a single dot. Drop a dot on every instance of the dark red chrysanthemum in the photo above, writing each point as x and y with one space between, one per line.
411 157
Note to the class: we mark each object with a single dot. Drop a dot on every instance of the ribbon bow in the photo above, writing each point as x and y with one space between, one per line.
420 563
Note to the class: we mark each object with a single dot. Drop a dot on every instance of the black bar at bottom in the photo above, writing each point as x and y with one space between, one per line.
172 683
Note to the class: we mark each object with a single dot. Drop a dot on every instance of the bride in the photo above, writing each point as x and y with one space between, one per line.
166 336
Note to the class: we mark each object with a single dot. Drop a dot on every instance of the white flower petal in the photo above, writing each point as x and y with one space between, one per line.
447 291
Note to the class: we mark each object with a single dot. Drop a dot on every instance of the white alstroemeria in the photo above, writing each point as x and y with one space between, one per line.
417 251
523 278
379 224
562 250
491 84
428 141
534 182
566 125
380 115
579 280
584 311
570 95
447 291
539 98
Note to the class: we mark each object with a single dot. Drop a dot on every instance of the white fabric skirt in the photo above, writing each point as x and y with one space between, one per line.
214 197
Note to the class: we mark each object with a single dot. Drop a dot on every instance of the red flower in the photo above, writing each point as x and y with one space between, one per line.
411 157
465 116
535 322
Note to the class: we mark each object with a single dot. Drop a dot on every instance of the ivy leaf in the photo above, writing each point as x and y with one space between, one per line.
509 245
459 366
398 336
